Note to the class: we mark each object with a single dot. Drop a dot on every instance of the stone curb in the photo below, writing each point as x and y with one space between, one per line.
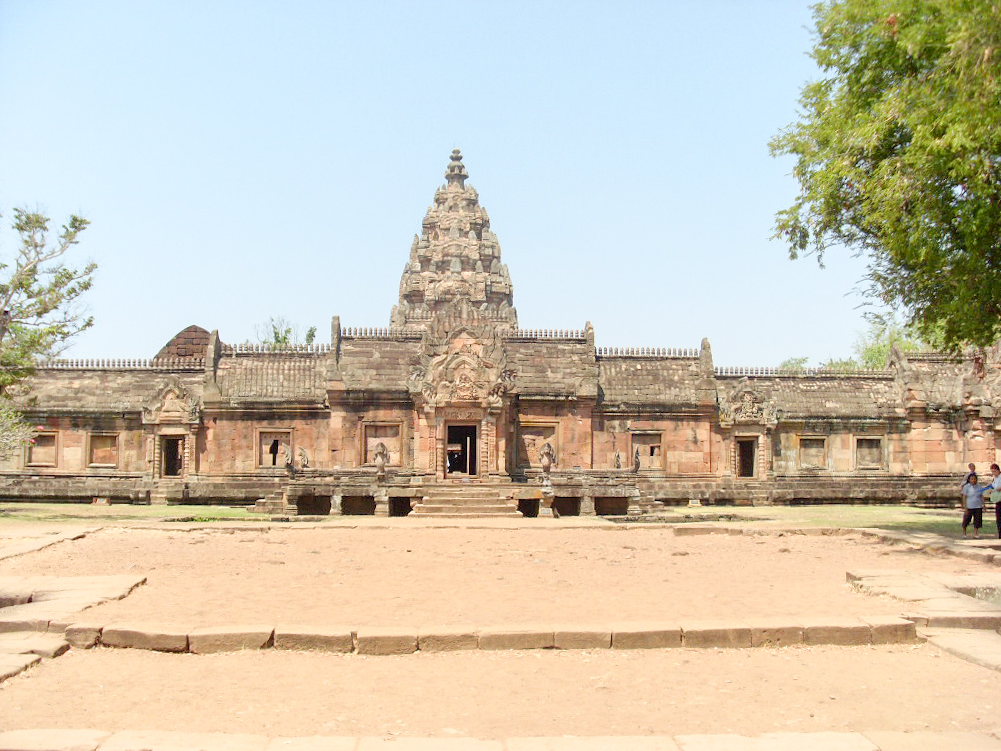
398 640
129 740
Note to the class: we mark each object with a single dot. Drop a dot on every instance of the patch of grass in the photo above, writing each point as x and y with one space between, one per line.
87 513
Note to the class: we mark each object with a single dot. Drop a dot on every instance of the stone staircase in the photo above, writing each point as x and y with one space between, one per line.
464 499
275 502
165 491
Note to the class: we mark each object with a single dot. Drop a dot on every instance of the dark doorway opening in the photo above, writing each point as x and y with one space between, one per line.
172 456
745 456
460 450
400 506
313 505
358 505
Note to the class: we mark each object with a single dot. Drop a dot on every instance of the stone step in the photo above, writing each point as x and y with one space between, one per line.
462 501
480 510
446 514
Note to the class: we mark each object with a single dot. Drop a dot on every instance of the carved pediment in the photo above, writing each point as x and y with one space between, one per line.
462 361
745 406
172 404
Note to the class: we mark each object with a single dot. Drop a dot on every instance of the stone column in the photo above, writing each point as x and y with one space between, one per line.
587 505
382 501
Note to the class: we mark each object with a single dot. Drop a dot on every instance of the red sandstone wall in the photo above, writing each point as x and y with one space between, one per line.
229 444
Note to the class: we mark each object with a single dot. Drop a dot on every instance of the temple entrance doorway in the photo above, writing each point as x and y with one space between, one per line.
172 456
460 450
746 456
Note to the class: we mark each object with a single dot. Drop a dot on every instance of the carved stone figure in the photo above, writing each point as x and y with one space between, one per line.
636 460
303 458
284 454
381 458
547 457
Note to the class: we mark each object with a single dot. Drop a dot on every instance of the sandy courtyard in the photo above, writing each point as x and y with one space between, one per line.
441 576
492 576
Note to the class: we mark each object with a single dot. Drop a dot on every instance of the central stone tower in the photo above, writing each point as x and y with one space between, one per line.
455 258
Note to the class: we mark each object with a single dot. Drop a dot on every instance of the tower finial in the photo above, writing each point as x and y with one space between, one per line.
456 172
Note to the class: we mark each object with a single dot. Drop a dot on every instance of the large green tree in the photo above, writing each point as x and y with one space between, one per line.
38 314
898 156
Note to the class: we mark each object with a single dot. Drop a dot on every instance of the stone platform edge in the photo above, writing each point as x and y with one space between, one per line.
397 640
129 740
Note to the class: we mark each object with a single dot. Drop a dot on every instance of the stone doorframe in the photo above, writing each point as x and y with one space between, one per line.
485 422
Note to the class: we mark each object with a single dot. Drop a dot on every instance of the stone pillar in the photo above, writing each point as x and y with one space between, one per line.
587 505
437 444
382 502
488 453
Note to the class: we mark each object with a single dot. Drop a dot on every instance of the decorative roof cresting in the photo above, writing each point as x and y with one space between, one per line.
455 257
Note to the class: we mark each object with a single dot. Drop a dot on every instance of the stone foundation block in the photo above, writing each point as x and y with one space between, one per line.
146 636
329 639
887 629
403 743
32 642
582 638
639 636
447 638
708 634
516 638
83 635
923 740
962 620
594 743
844 632
823 741
229 639
11 665
313 743
52 740
775 633
385 641
141 740
683 530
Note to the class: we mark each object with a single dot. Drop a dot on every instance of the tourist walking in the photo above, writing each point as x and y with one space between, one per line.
973 504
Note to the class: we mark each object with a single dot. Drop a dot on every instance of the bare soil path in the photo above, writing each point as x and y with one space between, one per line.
406 576
473 576
499 694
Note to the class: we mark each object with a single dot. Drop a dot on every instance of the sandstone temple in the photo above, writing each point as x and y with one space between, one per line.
454 409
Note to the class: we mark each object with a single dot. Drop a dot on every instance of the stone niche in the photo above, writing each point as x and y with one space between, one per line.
387 434
650 447
531 438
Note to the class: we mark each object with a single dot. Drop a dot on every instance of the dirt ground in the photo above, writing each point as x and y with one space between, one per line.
442 576
492 576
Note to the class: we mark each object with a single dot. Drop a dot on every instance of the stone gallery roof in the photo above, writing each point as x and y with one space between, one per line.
377 363
273 376
552 366
111 389
641 379
809 396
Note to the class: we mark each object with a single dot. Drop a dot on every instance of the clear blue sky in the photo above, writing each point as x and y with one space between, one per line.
240 160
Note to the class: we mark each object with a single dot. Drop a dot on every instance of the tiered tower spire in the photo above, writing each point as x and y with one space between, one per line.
456 258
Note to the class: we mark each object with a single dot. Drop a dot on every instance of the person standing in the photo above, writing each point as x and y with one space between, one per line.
973 504
995 490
